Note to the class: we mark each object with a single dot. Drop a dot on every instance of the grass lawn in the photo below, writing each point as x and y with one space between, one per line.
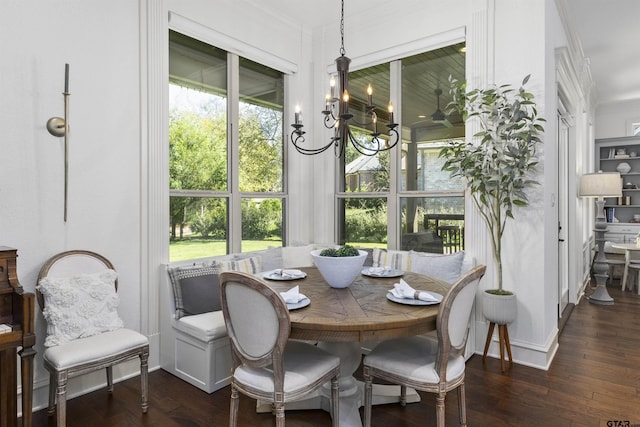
193 248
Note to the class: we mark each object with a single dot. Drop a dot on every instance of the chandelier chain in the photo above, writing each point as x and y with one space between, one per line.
342 51
337 116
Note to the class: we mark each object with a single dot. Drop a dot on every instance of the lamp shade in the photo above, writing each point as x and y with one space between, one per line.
601 184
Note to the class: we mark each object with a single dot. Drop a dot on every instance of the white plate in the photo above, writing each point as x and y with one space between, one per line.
409 301
385 273
275 276
294 306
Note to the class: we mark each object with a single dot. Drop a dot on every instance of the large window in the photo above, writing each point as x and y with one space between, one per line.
429 204
226 164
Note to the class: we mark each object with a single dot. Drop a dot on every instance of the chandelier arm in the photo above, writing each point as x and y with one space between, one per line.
339 147
337 116
312 151
330 121
360 148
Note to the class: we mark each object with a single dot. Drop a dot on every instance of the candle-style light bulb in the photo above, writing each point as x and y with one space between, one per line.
370 95
345 96
374 118
327 102
390 112
298 114
66 78
332 85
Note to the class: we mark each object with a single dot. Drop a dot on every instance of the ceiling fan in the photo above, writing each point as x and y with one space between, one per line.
438 116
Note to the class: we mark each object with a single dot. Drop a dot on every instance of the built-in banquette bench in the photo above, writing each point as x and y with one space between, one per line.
194 343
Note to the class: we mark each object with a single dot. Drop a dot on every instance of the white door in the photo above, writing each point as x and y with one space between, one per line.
564 123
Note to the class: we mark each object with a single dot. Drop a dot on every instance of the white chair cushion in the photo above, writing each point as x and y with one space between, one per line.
205 327
413 358
93 348
303 364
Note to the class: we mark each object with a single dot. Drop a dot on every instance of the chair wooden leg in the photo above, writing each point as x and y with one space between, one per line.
368 390
440 409
53 386
280 414
144 380
109 379
233 410
61 394
627 257
335 401
462 405
403 395
488 342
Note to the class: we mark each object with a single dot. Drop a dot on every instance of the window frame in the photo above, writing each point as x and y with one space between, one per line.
233 195
395 194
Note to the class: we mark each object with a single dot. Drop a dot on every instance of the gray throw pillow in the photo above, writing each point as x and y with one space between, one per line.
196 289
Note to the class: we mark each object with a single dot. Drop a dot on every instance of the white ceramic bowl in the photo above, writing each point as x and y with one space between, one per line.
339 272
623 168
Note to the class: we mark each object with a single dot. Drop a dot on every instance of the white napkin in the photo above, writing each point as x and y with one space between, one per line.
293 295
289 274
403 290
379 271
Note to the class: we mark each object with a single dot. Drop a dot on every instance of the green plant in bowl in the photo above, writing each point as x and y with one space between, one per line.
342 251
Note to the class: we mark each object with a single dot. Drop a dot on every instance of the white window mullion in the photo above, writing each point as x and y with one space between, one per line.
233 119
393 200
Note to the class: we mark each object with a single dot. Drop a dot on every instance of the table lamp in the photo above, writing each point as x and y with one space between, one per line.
600 185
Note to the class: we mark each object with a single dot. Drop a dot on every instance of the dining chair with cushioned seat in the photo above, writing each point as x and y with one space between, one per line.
266 364
77 292
434 365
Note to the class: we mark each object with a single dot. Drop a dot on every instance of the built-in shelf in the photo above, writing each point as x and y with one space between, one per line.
604 150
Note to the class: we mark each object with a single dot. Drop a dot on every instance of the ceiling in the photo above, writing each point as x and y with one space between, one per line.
608 30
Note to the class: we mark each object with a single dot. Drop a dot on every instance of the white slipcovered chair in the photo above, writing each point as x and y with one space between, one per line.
77 293
425 363
266 365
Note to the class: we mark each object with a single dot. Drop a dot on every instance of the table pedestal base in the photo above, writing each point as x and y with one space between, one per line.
351 390
600 296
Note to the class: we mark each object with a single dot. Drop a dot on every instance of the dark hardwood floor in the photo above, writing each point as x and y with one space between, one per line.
593 381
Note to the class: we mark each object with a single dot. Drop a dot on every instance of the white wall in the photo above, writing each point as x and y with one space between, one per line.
100 42
614 120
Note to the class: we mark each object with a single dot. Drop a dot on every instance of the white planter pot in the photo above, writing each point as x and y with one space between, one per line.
499 309
339 272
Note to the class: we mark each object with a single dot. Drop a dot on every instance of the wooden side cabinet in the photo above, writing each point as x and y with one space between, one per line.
17 312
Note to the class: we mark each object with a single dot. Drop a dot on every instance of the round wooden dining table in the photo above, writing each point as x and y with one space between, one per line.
345 320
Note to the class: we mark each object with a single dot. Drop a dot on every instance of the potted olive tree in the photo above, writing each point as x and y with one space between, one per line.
497 165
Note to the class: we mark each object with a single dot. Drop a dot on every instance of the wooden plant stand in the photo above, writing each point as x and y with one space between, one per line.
503 339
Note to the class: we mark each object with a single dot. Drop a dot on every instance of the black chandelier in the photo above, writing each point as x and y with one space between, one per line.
337 116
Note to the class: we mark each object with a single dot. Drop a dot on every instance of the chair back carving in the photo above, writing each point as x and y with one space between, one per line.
72 263
453 318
